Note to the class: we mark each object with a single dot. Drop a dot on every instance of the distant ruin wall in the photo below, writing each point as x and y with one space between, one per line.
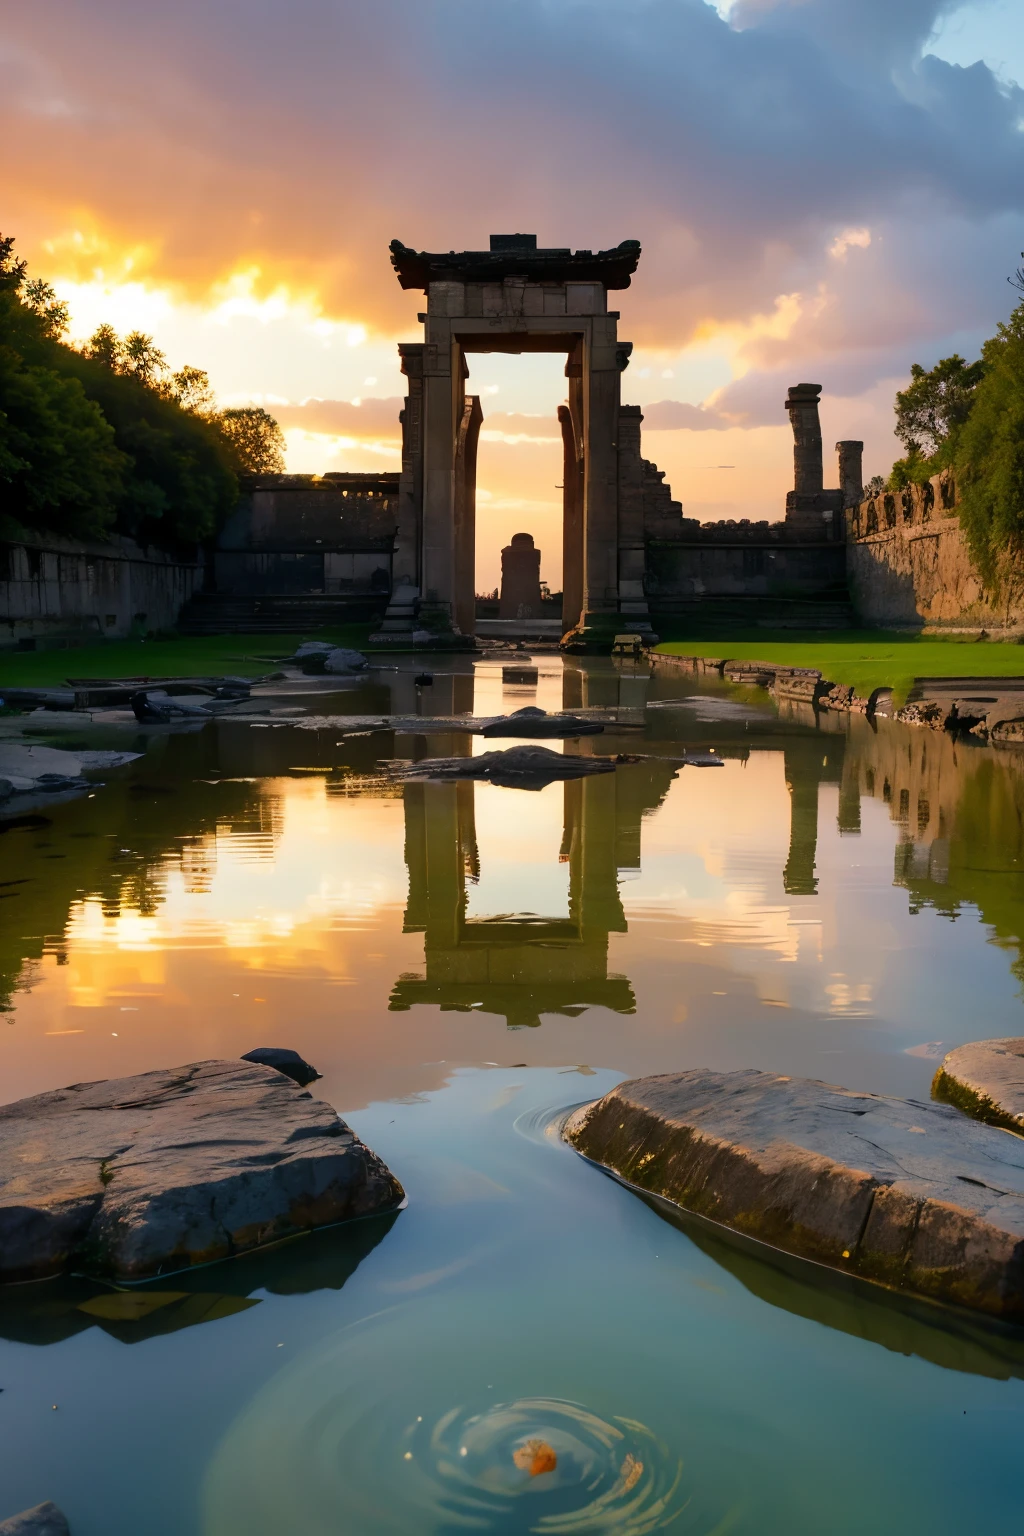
326 535
908 564
52 589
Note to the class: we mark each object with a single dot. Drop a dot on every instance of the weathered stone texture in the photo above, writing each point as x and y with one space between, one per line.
139 1176
908 1193
43 1520
986 1079
908 563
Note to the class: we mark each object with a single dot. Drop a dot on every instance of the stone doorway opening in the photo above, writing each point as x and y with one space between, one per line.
519 477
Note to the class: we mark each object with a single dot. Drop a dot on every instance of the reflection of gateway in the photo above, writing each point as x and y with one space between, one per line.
523 965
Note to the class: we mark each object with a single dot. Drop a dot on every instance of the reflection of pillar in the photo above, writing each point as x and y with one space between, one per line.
593 884
848 819
436 835
798 878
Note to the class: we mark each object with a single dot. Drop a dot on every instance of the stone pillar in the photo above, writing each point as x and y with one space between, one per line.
851 471
465 515
572 524
632 548
520 579
808 472
400 619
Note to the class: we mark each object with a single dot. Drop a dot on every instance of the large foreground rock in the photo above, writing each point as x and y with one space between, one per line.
139 1176
909 1193
985 1078
44 1520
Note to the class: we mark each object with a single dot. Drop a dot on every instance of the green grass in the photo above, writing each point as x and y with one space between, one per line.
863 658
198 655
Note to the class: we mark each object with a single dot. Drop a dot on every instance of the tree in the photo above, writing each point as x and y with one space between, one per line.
254 439
874 487
936 403
106 347
142 359
96 440
990 452
59 466
54 313
190 388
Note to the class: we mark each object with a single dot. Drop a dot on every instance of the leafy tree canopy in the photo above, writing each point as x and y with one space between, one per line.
255 439
936 403
990 451
104 439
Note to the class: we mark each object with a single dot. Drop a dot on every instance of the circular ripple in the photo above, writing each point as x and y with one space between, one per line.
406 1423
542 1464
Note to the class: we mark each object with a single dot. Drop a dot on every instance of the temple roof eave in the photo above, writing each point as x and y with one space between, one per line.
613 268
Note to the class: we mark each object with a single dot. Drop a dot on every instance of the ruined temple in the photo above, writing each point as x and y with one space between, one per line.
303 550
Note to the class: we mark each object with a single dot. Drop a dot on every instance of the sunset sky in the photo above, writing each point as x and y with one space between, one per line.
825 190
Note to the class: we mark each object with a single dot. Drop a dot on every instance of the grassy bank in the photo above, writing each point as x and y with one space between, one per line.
864 658
240 655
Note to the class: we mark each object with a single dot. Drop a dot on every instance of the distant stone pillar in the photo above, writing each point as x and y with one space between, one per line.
802 405
520 579
851 471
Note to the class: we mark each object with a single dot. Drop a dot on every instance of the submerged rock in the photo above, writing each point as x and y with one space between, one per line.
288 1062
986 1079
909 1193
44 1520
139 1176
515 768
537 723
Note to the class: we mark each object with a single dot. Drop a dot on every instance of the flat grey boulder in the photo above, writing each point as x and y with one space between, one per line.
515 768
140 1176
44 1520
538 724
908 1193
986 1079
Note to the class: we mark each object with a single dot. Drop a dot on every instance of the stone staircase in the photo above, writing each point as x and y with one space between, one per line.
218 613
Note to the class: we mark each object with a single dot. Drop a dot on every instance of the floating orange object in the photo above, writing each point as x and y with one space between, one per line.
535 1457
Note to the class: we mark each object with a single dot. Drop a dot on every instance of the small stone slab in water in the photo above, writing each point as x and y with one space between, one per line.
537 723
986 1079
906 1192
44 1520
515 768
140 1176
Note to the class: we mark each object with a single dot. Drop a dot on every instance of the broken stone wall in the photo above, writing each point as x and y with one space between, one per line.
909 564
53 589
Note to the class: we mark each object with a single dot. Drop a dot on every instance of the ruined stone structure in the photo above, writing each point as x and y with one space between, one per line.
809 507
909 565
513 298
520 579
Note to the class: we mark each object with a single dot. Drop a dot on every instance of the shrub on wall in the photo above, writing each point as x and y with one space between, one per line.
989 454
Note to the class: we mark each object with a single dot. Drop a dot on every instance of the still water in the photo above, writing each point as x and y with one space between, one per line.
463 962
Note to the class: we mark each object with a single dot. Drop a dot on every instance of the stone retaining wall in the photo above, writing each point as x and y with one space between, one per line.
53 589
908 564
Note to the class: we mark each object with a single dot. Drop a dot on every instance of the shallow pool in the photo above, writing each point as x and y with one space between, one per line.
464 963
